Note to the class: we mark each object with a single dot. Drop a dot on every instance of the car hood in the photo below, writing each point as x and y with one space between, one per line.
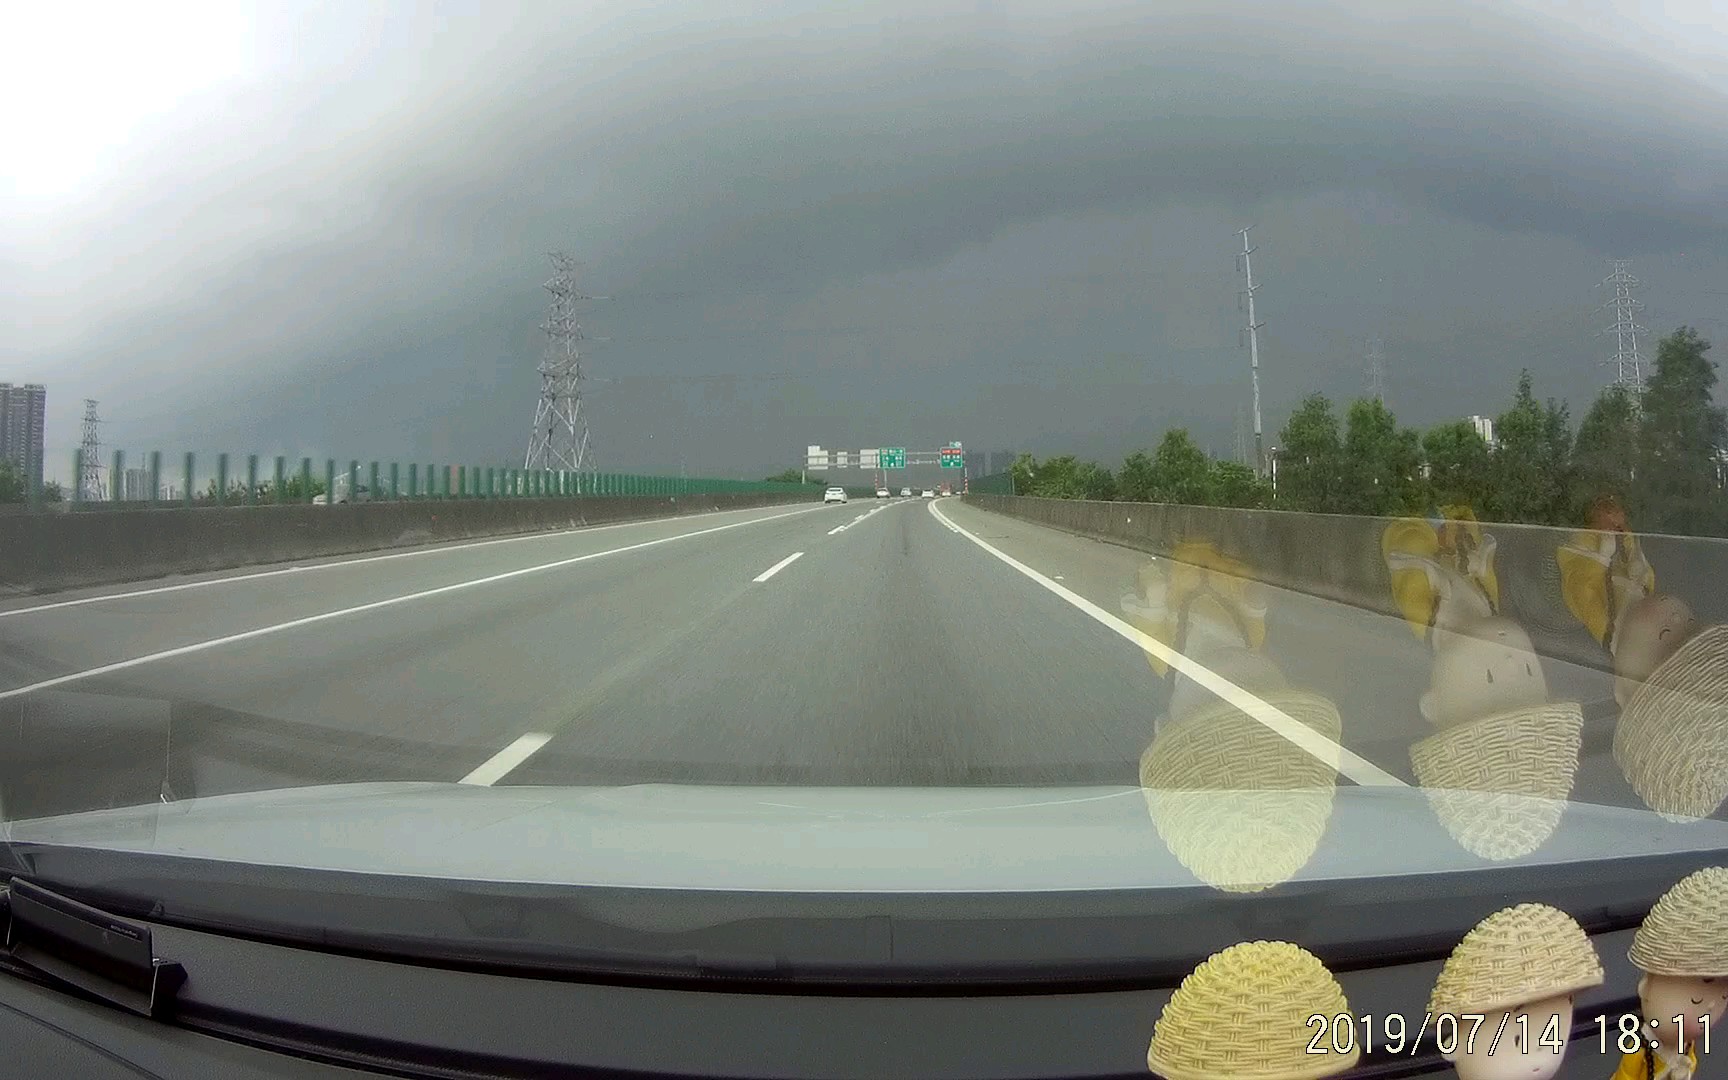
885 887
924 840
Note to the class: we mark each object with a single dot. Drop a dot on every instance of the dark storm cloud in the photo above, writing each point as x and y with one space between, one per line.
1490 119
347 260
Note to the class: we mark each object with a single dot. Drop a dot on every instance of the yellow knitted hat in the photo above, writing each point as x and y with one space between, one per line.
1500 784
1239 805
1513 957
1243 1015
1672 739
1686 932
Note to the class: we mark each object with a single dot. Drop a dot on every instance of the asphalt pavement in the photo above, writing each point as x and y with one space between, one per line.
880 643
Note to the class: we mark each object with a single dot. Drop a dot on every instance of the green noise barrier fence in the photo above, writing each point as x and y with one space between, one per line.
995 484
252 481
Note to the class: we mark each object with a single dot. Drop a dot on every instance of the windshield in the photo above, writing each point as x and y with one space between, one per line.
1292 477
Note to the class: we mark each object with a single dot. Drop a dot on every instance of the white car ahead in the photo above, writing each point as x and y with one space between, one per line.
834 494
929 493
905 493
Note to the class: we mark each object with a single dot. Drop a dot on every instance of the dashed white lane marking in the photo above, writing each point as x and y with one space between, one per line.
292 624
1352 765
500 764
338 564
777 567
868 513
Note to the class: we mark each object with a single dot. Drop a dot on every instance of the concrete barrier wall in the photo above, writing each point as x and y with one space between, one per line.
44 552
1338 557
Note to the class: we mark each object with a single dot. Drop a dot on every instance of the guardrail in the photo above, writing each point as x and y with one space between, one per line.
1340 557
250 480
45 552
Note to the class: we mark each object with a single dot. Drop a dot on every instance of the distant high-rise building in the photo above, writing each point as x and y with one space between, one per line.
21 421
1484 427
135 485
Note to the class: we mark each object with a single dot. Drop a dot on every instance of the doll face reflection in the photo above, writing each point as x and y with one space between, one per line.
1654 630
1607 515
1489 667
1666 996
1519 1053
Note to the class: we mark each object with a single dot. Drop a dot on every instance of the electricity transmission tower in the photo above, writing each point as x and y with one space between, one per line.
560 437
90 455
1629 366
1374 371
1245 260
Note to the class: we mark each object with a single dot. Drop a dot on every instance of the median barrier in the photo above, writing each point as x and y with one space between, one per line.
44 552
1338 557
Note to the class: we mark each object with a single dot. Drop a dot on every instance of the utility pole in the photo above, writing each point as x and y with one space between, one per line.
1247 263
1628 365
90 455
1374 371
1241 438
559 439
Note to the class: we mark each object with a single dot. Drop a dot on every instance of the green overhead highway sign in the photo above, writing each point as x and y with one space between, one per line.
952 457
891 457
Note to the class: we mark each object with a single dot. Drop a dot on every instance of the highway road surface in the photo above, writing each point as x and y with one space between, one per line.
880 643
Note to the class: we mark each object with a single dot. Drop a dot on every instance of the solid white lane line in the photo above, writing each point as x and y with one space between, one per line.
340 563
1347 762
500 764
293 624
777 567
836 529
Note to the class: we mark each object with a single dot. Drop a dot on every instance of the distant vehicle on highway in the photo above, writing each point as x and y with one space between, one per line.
929 494
905 493
881 493
834 495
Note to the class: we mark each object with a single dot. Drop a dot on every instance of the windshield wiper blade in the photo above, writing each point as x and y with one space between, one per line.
87 948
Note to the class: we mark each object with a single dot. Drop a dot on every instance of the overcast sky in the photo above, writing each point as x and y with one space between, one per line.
321 229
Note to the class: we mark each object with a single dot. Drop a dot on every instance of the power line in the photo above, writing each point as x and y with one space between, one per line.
768 376
1665 316
560 439
1041 281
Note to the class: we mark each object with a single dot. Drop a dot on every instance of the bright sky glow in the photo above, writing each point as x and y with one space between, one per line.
83 82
